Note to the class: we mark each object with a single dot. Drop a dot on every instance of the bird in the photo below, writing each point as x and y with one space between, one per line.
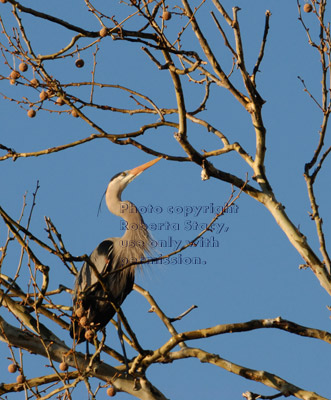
92 300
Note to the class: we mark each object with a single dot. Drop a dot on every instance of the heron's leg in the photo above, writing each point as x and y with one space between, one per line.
96 344
120 335
87 355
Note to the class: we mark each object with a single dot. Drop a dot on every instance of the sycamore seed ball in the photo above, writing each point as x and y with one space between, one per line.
89 335
12 81
23 67
111 391
80 312
307 8
31 113
20 379
166 15
34 82
74 113
12 368
79 63
15 74
3 1
59 101
63 366
43 95
83 321
103 32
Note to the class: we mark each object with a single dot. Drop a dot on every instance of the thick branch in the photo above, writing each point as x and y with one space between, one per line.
277 323
299 241
264 377
57 350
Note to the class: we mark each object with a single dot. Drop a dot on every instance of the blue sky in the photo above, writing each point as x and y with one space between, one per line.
252 271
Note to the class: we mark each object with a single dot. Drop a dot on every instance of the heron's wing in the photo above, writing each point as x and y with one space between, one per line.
90 295
101 257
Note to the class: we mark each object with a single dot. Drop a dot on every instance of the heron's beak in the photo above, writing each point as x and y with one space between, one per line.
138 170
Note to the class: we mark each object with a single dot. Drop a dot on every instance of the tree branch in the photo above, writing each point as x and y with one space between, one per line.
58 350
267 378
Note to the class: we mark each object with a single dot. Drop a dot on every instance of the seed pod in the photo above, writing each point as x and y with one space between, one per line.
43 95
23 67
63 366
166 15
74 113
34 82
89 335
3 1
111 391
59 101
307 8
83 321
12 368
20 379
79 63
15 74
31 113
103 32
12 81
80 312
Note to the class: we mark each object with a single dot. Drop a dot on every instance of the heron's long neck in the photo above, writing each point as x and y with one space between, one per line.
124 209
135 227
135 244
113 202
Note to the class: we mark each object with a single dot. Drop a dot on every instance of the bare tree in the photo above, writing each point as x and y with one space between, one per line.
176 40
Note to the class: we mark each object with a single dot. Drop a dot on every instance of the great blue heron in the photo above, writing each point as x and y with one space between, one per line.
92 306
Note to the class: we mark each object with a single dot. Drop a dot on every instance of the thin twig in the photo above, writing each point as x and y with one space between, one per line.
263 44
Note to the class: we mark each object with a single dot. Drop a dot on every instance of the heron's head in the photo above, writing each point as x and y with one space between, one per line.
121 180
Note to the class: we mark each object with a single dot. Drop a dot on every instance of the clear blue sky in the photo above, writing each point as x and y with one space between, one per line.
252 270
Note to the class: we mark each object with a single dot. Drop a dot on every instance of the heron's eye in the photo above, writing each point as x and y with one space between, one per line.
123 173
